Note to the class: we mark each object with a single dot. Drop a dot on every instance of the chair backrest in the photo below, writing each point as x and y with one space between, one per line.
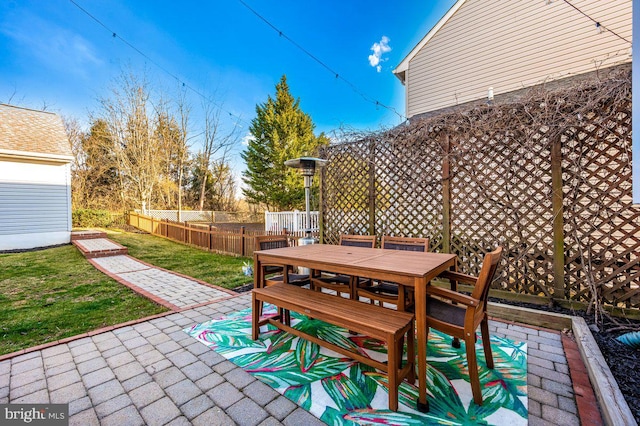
267 242
485 277
358 240
405 243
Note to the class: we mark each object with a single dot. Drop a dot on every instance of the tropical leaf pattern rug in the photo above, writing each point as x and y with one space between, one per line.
341 391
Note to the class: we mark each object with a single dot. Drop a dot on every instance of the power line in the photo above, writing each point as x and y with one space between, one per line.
166 71
323 64
598 24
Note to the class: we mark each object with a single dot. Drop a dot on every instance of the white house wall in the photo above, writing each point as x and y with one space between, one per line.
35 204
511 44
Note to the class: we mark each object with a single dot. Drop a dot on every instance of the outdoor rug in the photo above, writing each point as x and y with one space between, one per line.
341 391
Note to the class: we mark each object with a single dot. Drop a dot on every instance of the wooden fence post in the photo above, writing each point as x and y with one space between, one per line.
242 250
210 237
446 196
558 219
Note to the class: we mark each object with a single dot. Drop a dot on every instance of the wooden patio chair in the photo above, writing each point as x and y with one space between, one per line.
459 315
273 274
388 292
338 282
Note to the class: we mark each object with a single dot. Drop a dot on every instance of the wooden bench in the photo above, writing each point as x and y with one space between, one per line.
383 324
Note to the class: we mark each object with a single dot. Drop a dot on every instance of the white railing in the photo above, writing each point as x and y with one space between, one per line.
294 221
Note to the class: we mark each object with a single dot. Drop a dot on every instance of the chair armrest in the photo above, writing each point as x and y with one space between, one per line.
289 267
452 295
459 276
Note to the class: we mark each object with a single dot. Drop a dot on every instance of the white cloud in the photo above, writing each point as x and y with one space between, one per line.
379 49
246 139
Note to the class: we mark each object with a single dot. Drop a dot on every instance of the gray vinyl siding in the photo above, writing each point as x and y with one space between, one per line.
512 44
33 207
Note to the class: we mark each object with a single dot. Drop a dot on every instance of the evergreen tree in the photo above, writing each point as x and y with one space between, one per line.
280 131
100 185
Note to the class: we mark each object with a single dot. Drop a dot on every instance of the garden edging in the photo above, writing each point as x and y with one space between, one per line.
614 408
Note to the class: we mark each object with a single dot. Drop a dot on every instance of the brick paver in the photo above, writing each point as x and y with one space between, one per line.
152 373
172 379
120 264
167 286
98 244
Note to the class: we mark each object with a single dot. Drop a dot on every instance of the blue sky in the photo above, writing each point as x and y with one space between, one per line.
54 54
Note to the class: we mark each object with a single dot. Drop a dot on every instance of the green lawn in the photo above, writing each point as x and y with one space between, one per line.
51 294
222 270
55 293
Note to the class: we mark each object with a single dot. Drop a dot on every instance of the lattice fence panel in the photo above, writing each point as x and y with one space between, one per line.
346 190
501 180
602 226
409 188
501 186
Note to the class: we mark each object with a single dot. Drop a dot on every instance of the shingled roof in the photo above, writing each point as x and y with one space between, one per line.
29 133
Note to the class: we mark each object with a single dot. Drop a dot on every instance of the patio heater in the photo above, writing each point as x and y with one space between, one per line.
307 167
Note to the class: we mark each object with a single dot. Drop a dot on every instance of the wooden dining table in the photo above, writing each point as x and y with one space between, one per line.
406 268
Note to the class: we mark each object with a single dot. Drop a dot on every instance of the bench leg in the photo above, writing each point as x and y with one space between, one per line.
400 351
392 371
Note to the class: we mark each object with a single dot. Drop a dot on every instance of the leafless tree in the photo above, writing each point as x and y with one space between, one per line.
136 146
217 144
183 111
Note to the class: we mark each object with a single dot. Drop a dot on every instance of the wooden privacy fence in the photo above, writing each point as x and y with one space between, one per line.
239 243
549 178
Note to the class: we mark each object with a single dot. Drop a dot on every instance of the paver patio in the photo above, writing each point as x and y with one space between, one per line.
152 373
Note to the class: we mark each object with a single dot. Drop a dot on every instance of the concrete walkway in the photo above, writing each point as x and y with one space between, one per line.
152 373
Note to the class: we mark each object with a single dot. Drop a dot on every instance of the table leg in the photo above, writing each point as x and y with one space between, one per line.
257 282
402 303
257 271
255 317
421 327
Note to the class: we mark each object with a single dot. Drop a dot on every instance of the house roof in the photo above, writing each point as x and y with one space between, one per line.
403 66
26 133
